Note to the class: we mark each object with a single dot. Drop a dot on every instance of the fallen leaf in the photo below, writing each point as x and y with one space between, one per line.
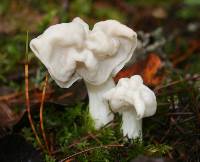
69 160
153 64
147 68
8 117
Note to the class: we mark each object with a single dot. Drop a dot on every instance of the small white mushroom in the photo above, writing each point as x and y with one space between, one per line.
70 51
134 101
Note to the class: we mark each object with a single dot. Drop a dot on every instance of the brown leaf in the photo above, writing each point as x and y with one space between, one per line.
147 68
69 160
8 117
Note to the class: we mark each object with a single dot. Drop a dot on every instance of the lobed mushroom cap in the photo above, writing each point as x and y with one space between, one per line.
131 93
60 47
113 44
70 51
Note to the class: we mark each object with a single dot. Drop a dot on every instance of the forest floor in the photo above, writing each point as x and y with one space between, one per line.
168 59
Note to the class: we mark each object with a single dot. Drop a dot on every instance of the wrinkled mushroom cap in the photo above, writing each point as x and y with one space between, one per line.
132 94
113 44
70 51
60 47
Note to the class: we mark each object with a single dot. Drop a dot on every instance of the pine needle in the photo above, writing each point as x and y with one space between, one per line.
28 98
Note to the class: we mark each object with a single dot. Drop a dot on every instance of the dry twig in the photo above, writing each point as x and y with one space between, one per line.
27 98
41 115
10 96
90 149
196 77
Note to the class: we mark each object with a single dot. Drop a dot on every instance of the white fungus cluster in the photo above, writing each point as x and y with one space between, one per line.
71 51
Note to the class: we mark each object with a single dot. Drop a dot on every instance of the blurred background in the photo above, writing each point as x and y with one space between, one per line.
167 57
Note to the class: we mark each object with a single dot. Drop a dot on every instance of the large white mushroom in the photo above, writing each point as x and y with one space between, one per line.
113 45
70 51
134 101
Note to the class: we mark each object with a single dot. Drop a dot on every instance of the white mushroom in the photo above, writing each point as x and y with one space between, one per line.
134 101
113 44
60 47
70 51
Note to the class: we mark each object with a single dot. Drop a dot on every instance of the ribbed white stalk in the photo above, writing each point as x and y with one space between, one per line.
98 107
131 126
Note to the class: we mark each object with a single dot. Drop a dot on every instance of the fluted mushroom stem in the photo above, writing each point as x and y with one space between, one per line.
131 126
98 107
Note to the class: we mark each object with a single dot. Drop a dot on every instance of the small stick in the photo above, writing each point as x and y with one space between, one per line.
79 141
41 115
95 138
10 96
90 149
28 99
181 113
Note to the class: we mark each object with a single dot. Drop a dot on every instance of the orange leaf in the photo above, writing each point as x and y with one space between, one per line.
69 160
147 68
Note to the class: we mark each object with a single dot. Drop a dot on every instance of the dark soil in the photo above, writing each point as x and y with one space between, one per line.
14 148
